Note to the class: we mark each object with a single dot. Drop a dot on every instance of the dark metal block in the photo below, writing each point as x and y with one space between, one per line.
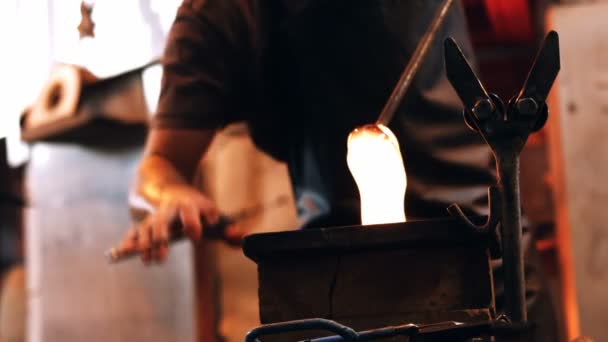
373 276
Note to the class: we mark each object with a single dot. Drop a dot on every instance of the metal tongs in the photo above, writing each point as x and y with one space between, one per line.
505 128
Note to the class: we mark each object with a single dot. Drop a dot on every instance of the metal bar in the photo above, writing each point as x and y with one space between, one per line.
407 329
413 65
346 333
443 329
212 232
449 329
511 233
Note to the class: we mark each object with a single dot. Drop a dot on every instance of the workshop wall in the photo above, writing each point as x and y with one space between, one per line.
579 164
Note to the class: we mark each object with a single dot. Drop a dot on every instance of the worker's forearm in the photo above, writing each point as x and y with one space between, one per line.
170 161
154 177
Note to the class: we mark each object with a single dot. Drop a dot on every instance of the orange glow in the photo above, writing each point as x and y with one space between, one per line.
375 161
554 129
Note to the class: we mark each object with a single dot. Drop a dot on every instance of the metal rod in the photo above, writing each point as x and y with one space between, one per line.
511 233
445 330
413 65
345 333
217 231
404 330
116 254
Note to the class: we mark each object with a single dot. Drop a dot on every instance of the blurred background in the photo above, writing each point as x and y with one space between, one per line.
88 74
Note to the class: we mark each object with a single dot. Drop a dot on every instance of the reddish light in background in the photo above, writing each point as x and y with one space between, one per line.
494 22
510 20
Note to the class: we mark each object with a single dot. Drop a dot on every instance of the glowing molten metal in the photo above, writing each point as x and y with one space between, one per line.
375 161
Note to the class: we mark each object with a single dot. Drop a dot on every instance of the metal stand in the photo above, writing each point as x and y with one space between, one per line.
506 130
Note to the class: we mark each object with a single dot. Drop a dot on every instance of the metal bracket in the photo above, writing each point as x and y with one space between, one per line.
490 227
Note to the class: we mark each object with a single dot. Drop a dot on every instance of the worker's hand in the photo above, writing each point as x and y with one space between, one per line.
150 237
